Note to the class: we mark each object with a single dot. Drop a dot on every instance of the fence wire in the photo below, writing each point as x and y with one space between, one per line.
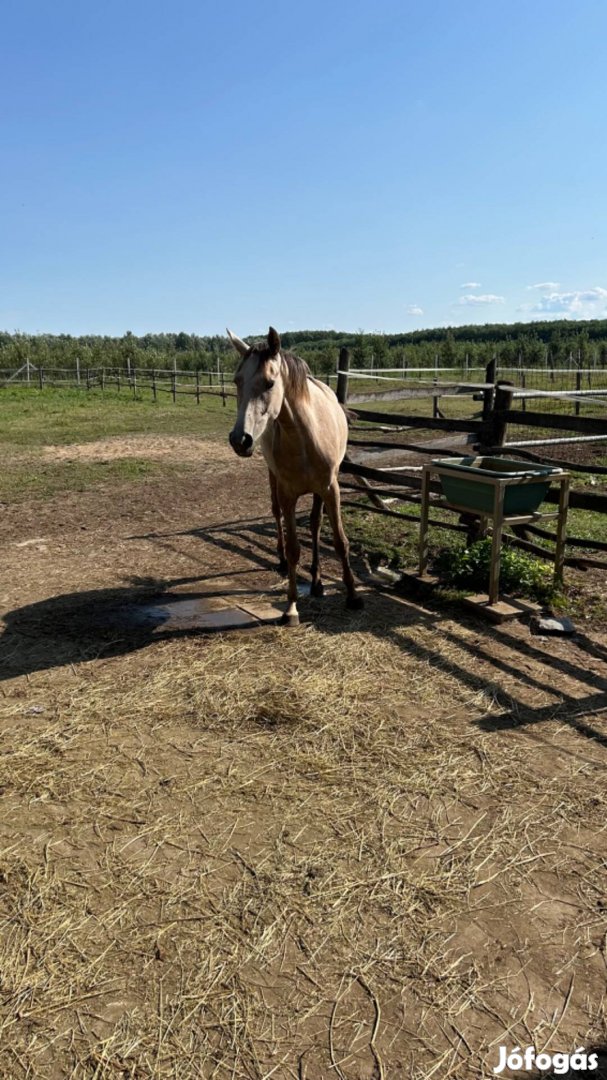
563 391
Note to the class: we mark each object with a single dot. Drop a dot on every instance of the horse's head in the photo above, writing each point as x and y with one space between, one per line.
259 389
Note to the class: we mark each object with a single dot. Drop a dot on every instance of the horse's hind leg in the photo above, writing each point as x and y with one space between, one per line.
342 547
280 546
291 617
316 588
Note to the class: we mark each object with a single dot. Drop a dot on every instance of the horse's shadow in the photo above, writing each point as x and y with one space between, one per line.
101 623
76 627
83 626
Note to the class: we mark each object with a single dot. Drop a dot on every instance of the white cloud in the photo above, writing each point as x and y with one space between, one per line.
579 303
549 286
481 298
471 285
413 309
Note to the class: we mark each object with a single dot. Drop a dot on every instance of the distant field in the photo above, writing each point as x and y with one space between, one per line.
53 416
34 421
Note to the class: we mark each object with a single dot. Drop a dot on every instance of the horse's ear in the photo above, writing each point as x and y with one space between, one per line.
273 341
238 344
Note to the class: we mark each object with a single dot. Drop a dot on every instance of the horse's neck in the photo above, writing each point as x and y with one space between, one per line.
291 424
295 413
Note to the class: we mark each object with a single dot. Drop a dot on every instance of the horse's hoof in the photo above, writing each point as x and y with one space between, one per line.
290 620
317 588
283 567
355 603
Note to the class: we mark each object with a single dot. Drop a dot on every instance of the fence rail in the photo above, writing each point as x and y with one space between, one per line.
489 435
157 380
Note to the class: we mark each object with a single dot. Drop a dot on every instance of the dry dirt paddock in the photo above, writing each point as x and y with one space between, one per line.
371 847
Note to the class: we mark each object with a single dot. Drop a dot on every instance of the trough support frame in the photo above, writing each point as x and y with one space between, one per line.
499 520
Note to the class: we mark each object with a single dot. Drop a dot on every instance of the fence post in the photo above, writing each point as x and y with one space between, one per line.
41 377
223 389
524 386
197 386
342 378
134 382
88 379
495 429
154 390
488 394
174 385
578 386
102 379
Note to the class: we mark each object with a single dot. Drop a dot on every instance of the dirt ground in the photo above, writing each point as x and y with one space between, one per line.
370 847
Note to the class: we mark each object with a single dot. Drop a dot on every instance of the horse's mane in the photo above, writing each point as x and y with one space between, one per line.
295 371
297 374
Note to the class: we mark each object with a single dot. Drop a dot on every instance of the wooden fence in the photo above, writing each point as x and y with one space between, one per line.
155 380
488 436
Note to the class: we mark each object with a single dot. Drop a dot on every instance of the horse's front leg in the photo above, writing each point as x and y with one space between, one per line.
316 589
280 546
342 547
288 505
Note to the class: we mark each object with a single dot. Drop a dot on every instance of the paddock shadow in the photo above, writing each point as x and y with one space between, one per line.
497 656
497 661
76 627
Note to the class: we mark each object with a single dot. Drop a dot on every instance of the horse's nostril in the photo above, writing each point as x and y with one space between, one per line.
241 444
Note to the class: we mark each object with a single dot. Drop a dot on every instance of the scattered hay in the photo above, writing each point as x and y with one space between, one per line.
179 448
292 854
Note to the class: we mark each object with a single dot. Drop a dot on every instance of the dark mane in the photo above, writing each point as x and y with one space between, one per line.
297 373
295 370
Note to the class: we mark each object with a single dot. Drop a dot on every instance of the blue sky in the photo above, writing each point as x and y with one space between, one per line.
385 166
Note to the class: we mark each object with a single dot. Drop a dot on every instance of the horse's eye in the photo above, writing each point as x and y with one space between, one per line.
269 384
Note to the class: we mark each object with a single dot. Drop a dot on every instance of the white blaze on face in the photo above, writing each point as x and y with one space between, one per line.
260 394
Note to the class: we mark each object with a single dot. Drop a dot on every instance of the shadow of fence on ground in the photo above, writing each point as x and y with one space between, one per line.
82 626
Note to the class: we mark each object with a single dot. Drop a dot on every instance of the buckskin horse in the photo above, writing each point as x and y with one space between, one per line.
302 431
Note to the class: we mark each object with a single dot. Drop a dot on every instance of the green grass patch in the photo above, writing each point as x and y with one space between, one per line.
29 479
385 540
520 574
55 416
395 543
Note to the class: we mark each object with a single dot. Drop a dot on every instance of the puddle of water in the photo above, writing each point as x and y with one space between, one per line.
201 613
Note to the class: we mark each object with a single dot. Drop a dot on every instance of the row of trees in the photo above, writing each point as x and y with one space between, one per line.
555 344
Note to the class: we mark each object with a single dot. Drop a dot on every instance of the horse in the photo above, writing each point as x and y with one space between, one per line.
303 432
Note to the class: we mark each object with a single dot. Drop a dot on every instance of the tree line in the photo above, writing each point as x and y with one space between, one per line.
561 343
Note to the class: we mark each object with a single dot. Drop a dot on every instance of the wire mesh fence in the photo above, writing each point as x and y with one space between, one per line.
580 392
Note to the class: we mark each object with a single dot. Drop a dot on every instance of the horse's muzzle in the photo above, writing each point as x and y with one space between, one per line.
242 445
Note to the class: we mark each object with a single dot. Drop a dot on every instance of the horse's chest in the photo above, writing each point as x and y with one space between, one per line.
296 469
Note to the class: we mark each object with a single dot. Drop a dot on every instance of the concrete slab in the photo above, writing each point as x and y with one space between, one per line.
266 613
203 613
503 610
